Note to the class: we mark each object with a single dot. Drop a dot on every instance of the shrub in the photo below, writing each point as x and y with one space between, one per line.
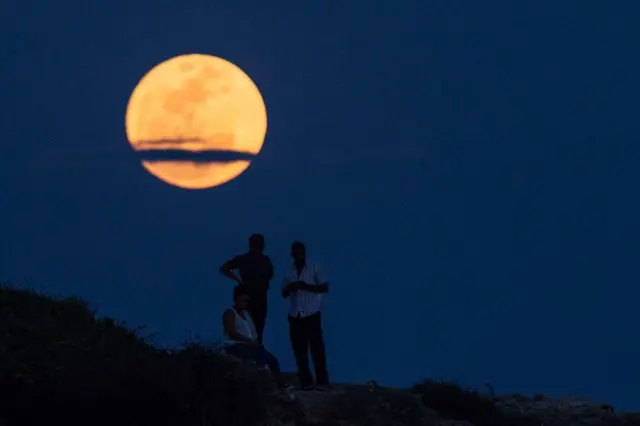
60 364
453 401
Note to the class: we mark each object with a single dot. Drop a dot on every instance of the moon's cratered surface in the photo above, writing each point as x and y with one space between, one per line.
193 104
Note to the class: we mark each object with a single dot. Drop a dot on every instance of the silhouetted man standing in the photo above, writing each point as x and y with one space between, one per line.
256 271
305 285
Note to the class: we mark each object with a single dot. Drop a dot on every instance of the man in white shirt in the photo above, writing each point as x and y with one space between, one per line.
305 285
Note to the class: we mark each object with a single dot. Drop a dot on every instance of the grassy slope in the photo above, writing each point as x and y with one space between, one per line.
60 364
57 356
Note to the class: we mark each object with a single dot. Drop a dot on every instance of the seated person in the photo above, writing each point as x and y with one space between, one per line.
239 337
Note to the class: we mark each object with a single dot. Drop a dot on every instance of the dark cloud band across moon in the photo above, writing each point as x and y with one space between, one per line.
208 156
146 153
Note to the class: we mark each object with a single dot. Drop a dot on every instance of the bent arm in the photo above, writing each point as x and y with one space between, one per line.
292 288
320 282
227 269
315 288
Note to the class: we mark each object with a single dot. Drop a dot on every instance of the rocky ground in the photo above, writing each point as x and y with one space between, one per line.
565 411
372 405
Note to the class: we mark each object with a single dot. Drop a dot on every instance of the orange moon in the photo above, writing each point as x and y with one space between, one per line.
196 103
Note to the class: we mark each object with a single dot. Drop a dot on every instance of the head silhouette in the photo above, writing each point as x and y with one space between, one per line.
256 243
240 297
298 252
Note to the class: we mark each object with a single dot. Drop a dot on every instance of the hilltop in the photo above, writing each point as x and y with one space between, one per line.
60 363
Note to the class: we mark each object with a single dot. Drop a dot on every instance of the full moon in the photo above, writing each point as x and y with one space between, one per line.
195 104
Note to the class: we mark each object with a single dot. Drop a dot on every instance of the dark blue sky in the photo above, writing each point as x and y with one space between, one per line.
467 172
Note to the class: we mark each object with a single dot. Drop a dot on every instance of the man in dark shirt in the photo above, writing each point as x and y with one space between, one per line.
256 271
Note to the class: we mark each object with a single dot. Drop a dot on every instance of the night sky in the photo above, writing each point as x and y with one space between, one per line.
466 172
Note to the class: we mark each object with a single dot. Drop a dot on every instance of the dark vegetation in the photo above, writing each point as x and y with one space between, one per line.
60 364
453 401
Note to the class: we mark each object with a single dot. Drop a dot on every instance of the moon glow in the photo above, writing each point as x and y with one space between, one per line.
198 106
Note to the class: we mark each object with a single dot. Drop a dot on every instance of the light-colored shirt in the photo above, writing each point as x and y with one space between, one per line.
244 326
305 303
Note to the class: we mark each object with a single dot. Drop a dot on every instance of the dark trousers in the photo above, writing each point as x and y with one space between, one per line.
258 312
256 353
305 334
